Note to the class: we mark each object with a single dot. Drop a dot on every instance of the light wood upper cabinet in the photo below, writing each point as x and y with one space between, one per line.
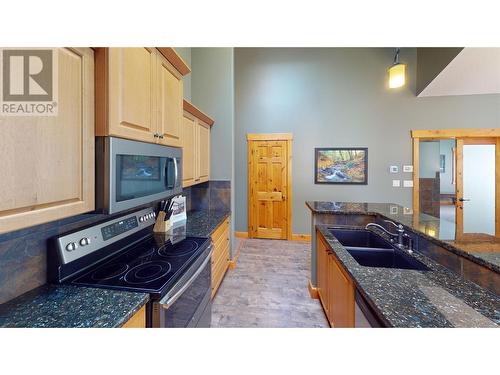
196 146
139 94
188 136
131 93
47 164
170 103
203 156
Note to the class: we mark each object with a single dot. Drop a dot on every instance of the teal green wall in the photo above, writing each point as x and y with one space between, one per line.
185 53
338 97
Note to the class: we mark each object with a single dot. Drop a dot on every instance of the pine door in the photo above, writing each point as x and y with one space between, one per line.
269 204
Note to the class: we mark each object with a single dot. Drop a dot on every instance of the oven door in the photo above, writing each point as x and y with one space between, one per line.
188 304
136 173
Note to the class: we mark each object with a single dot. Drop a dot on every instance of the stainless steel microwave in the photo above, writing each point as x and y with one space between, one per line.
132 173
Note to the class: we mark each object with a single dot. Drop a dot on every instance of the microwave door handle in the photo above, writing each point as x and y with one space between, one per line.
176 172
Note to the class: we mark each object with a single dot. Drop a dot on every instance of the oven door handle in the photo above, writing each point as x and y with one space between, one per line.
176 296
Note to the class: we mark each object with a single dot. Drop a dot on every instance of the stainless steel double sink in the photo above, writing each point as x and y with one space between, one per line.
371 250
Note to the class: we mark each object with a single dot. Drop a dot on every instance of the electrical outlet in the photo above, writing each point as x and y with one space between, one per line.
394 169
408 183
396 183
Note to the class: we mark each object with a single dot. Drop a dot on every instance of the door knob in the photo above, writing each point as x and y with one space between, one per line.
464 200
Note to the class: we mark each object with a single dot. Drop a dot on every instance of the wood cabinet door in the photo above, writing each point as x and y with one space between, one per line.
267 176
47 163
170 103
322 257
188 137
132 87
341 296
203 152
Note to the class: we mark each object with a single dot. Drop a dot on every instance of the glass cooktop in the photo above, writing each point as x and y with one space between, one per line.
149 266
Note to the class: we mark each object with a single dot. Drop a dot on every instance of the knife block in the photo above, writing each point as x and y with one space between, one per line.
161 226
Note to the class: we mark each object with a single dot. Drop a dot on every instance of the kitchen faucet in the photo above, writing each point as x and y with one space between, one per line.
400 234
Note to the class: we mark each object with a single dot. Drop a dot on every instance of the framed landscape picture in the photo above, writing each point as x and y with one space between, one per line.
341 166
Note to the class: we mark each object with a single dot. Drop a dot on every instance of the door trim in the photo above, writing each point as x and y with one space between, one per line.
463 136
288 137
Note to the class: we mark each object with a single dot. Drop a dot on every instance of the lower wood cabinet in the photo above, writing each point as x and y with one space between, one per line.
47 163
220 255
335 287
138 320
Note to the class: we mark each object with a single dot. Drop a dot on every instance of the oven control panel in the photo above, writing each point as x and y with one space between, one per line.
75 245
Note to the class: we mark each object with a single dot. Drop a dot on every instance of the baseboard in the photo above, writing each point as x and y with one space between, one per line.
241 234
313 292
301 237
295 237
232 262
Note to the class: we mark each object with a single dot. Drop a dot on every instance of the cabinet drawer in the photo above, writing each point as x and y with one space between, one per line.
221 244
220 230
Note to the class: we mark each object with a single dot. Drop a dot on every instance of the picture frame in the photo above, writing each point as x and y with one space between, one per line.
341 165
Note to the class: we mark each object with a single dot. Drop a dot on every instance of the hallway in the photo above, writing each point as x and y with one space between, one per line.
268 288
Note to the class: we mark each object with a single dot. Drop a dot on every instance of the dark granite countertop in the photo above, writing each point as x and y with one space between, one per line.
410 298
77 306
480 248
202 223
67 306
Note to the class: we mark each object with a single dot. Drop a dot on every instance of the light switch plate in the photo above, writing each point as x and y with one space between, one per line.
407 211
394 210
396 183
408 183
408 168
394 169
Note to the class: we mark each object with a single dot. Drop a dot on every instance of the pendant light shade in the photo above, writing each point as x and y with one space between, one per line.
397 73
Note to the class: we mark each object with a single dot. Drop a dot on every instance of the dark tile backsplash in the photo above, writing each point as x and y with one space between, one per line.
211 195
23 253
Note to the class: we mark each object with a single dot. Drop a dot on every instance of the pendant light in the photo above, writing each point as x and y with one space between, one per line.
397 73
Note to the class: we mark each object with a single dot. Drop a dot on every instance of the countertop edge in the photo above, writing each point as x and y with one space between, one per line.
132 312
323 228
437 241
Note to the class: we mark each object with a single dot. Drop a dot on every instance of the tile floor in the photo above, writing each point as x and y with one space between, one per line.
268 288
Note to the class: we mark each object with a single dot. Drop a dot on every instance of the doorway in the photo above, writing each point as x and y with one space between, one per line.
457 179
270 186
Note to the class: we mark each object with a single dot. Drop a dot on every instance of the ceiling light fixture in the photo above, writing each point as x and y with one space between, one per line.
397 76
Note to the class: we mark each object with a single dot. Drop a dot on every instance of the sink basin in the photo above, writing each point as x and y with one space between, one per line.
385 258
371 250
359 238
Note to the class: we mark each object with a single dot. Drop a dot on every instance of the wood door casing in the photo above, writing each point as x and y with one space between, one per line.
269 177
467 136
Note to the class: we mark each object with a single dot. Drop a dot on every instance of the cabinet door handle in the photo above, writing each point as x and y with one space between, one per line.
161 136
156 135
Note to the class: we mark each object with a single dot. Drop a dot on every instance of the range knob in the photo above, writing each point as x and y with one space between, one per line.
141 219
85 241
71 246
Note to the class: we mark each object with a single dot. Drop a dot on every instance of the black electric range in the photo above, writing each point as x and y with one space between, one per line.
147 267
124 254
